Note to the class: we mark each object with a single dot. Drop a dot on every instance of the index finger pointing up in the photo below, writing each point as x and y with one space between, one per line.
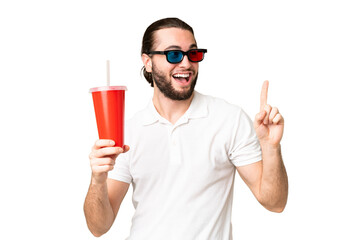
263 96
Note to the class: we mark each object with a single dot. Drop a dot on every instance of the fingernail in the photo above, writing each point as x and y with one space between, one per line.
111 142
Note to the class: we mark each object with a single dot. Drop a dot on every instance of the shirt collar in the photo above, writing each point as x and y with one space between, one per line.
198 109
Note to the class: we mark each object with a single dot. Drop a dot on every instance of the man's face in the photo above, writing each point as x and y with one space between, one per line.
175 81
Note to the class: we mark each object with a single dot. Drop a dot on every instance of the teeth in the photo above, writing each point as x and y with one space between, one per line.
179 75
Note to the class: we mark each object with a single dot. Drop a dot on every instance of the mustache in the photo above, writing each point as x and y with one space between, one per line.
192 70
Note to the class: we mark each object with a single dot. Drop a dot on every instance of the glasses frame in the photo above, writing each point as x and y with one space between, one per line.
183 54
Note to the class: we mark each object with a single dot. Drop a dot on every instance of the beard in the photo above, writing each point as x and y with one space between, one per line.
166 88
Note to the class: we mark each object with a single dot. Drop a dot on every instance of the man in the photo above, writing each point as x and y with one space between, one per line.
185 148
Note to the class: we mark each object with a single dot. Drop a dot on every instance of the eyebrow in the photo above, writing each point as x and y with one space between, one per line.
179 48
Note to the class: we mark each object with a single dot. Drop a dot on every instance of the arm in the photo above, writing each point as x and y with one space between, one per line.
104 196
267 179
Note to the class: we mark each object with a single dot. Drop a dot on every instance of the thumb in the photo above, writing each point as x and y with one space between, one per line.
259 118
126 148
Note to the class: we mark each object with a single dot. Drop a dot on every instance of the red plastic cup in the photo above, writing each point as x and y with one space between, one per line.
109 105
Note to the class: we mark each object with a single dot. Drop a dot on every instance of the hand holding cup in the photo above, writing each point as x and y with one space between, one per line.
102 159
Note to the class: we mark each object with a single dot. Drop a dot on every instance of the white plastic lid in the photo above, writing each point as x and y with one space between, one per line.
107 88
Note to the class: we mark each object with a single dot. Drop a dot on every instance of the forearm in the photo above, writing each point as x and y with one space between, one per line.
274 181
98 211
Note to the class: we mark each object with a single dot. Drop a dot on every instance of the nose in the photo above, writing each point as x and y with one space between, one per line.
185 63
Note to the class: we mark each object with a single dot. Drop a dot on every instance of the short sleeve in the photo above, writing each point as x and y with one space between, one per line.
121 171
244 148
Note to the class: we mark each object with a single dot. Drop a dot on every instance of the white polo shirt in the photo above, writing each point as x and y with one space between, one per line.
183 174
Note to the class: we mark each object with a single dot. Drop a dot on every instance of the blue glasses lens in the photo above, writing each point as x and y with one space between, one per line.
174 56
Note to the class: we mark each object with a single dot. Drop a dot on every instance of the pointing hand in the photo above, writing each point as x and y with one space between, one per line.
268 124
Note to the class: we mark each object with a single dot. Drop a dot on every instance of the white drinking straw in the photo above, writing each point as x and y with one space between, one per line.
108 72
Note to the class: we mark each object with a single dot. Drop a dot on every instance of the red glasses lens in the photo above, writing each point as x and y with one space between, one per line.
196 56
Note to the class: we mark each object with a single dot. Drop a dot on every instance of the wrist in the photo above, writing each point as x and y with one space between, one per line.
98 180
268 147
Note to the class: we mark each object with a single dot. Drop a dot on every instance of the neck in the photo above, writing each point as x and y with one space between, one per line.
170 109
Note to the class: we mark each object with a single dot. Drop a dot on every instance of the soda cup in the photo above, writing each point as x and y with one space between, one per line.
109 105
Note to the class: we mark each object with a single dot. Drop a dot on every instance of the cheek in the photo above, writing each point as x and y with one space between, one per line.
164 66
162 70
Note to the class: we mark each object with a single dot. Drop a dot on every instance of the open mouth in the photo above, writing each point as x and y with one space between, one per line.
182 77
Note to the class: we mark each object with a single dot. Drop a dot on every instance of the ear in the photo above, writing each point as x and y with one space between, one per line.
147 62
